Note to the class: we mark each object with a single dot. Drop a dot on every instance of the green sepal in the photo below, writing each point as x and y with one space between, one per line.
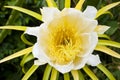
26 11
66 76
47 72
106 72
90 73
25 40
30 72
28 57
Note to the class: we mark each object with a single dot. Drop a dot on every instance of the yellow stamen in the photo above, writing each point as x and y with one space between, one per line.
64 43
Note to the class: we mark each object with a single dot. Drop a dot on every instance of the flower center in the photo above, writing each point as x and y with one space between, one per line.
62 43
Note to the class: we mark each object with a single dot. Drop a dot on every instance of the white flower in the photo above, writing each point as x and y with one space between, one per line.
66 39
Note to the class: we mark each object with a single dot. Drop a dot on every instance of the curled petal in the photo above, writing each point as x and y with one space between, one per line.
78 19
89 41
39 54
48 14
32 31
93 60
100 29
90 12
62 68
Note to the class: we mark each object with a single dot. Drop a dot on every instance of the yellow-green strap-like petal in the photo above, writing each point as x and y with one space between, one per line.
26 11
66 76
25 40
19 28
54 74
108 12
107 51
17 54
103 36
75 74
30 72
109 43
81 77
90 73
67 3
106 72
79 4
51 3
106 8
47 72
28 57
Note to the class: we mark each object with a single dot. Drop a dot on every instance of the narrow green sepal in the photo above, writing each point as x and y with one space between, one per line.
66 76
47 72
54 74
28 57
30 72
106 72
26 11
25 40
90 73
109 43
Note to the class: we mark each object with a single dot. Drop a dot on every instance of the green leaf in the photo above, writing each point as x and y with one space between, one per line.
26 11
60 4
113 27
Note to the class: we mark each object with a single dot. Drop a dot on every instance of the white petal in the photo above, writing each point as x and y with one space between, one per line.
89 42
100 29
63 68
39 53
36 31
90 12
93 60
38 62
80 62
32 30
49 14
75 18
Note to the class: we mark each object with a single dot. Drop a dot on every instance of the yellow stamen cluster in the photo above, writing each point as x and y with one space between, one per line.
62 43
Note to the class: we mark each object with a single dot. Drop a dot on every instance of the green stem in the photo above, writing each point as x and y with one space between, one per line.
47 72
90 73
11 21
30 72
66 76
106 72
